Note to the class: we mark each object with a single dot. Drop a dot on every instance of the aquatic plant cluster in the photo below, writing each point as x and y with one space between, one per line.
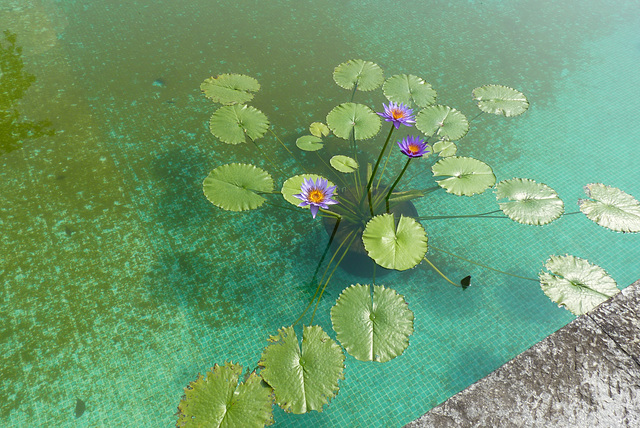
369 217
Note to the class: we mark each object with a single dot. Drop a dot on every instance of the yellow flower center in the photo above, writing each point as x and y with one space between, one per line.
316 196
397 114
413 148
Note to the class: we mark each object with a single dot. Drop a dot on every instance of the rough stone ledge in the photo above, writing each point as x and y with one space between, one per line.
586 374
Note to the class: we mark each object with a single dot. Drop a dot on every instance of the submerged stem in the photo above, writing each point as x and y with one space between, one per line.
481 215
441 274
393 186
290 152
375 168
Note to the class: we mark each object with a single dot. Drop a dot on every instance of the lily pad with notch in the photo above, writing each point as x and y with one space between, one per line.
217 400
529 202
366 74
466 176
443 121
576 284
303 376
351 117
343 164
309 143
612 208
319 129
445 148
230 89
498 99
236 187
232 124
398 247
408 89
372 328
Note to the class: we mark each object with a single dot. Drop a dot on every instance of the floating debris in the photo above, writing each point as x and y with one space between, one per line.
80 407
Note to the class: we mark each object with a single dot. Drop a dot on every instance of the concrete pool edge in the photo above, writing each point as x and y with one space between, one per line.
585 374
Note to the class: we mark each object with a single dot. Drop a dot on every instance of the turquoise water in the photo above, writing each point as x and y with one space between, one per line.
121 282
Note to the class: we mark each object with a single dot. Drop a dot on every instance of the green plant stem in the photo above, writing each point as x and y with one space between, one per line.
481 215
375 168
281 206
265 155
353 93
322 279
331 275
344 183
441 274
481 265
384 168
395 183
290 152
476 116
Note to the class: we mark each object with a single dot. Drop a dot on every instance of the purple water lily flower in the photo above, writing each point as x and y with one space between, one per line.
317 195
414 147
399 114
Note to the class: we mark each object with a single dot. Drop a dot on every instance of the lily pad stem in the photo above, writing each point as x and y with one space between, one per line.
393 186
375 168
265 155
441 274
481 265
353 93
290 152
481 215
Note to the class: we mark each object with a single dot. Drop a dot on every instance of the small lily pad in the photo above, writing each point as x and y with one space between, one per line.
293 185
231 123
357 117
401 247
319 129
304 377
234 187
576 284
498 99
612 208
366 74
445 148
369 329
529 202
443 121
230 89
309 143
467 176
218 401
405 89
343 164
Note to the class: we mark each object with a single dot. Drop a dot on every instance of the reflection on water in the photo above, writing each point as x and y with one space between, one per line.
14 82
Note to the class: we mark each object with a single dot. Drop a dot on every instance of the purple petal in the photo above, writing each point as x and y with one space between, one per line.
314 210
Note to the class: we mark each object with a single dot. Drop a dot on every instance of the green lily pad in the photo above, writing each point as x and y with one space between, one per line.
403 88
576 284
319 129
231 123
445 148
357 117
309 143
292 187
498 99
529 202
234 187
230 89
304 377
401 247
467 176
612 208
218 401
343 164
369 329
366 74
443 121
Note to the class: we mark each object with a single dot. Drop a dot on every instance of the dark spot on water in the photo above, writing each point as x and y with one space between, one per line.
159 82
68 231
80 407
60 176
171 101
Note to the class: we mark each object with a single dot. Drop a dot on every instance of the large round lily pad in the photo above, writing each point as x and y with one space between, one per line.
369 329
466 176
231 123
576 284
401 247
343 164
230 89
235 186
357 117
612 208
304 377
292 186
408 89
529 202
218 401
443 121
498 99
366 74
